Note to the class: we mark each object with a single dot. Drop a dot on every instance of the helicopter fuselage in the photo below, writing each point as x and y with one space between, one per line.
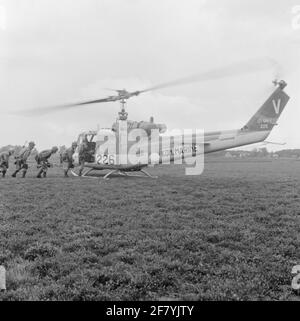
169 148
130 146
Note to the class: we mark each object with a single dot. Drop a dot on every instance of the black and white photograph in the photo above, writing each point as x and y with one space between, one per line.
149 152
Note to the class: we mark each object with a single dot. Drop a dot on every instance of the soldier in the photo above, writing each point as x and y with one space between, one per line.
4 160
21 159
67 158
42 160
82 154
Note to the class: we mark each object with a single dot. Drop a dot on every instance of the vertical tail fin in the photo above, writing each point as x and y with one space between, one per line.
266 117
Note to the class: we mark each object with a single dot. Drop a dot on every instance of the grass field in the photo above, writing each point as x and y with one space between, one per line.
229 234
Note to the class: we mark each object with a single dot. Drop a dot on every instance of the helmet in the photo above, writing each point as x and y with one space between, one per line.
11 151
31 144
74 144
54 149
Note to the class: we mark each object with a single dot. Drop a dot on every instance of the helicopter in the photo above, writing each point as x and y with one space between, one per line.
128 147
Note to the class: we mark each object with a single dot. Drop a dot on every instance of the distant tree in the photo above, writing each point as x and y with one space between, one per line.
289 153
254 152
62 149
263 152
7 147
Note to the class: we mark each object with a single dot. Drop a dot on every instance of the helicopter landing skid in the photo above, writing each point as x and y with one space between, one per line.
84 174
115 171
124 173
146 174
109 173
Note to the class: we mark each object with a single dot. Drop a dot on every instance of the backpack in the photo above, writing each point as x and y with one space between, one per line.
37 159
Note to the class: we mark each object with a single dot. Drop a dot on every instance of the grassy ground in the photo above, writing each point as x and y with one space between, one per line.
231 233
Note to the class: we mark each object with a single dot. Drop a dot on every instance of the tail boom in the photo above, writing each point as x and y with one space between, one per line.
266 117
258 127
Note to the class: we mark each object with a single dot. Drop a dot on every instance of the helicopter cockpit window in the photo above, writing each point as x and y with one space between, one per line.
85 138
90 138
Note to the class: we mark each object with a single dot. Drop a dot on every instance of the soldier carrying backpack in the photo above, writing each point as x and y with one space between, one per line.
42 160
21 159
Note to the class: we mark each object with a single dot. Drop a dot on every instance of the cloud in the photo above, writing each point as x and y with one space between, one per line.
63 51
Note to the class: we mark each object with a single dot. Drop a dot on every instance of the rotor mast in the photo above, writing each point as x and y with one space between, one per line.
123 114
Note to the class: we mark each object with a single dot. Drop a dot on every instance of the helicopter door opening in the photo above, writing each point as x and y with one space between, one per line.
91 146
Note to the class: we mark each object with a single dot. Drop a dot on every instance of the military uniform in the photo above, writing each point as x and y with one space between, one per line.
82 154
4 161
21 159
42 160
67 158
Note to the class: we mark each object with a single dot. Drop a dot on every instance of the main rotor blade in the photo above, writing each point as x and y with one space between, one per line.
235 69
46 110
111 89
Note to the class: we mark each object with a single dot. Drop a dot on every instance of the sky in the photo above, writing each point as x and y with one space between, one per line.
54 52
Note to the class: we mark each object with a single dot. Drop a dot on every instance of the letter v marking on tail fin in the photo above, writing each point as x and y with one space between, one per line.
276 105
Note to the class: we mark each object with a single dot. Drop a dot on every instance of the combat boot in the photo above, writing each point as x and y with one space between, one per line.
39 174
66 173
24 174
14 174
